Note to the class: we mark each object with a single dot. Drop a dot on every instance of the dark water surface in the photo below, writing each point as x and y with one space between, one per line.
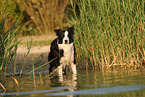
124 83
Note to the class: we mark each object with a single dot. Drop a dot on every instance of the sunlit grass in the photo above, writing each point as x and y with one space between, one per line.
110 33
39 43
43 40
8 40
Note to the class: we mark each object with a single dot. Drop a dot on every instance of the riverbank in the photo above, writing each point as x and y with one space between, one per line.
38 53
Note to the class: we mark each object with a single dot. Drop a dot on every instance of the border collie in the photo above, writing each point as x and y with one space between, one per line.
63 49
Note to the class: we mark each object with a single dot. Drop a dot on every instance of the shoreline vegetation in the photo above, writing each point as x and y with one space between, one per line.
108 34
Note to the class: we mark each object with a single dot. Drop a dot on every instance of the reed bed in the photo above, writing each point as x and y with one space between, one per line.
43 16
109 33
8 41
8 44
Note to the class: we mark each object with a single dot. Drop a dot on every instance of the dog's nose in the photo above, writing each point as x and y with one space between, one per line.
66 41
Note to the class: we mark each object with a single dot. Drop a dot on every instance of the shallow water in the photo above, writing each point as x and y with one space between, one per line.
87 84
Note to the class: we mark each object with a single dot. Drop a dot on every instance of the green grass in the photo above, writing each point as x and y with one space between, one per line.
38 43
43 40
109 33
42 43
8 41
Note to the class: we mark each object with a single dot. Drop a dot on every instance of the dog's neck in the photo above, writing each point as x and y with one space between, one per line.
66 47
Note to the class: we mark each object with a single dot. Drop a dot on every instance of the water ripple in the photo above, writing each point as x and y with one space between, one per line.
100 91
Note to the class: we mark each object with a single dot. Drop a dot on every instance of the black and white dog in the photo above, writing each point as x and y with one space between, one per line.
63 49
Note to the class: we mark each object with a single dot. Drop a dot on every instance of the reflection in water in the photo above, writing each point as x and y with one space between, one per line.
102 84
69 83
69 80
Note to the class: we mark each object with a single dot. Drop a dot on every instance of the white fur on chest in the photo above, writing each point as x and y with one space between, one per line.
68 54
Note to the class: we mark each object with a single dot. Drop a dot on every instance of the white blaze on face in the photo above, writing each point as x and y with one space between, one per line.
65 39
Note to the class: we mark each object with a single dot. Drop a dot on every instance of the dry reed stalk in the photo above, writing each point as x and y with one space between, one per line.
46 15
34 74
3 87
94 59
16 81
53 71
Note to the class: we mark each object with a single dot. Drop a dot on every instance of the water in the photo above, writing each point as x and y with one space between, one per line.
87 84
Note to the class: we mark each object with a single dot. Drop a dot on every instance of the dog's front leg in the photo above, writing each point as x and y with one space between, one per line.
73 68
60 73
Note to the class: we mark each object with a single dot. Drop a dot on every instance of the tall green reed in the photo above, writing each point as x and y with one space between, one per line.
8 41
109 32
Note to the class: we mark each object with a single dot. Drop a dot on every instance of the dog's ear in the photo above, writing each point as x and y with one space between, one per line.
71 29
58 31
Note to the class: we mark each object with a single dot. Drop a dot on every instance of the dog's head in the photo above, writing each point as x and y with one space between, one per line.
66 36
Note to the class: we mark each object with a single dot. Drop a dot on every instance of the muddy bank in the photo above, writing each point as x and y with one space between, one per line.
38 53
